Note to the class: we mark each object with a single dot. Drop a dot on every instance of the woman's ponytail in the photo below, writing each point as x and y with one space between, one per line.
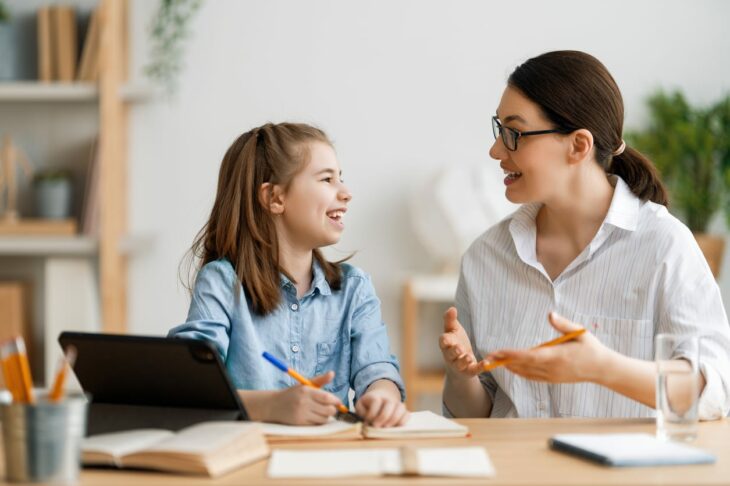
640 175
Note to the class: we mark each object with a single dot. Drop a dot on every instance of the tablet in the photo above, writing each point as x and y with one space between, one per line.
151 382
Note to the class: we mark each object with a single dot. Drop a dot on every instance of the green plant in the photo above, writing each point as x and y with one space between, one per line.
690 147
51 175
4 14
169 29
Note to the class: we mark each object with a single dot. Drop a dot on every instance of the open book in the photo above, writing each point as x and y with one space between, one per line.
422 424
208 448
442 461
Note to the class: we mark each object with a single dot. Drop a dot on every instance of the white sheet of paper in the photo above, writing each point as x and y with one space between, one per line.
424 422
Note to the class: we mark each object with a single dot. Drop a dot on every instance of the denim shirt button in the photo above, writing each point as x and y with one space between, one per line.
295 348
294 307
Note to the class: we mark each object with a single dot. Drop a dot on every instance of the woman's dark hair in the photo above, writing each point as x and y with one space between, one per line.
240 228
574 90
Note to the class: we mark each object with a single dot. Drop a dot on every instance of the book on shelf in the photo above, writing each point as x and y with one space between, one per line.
63 21
57 43
89 64
208 448
420 425
45 46
90 202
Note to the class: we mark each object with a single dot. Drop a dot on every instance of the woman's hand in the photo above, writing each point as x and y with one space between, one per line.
380 405
303 405
456 349
581 359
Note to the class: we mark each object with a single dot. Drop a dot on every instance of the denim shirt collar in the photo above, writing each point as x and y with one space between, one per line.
319 282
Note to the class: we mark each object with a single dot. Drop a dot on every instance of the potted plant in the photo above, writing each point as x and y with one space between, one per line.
690 147
53 193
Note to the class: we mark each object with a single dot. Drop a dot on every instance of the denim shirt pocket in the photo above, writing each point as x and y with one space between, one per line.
329 359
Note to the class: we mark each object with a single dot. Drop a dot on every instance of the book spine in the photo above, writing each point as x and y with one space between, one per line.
64 21
45 52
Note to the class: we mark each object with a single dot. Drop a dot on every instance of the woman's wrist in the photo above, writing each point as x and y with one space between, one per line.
603 367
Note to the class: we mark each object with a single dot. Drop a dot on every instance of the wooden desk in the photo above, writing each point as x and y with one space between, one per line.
517 447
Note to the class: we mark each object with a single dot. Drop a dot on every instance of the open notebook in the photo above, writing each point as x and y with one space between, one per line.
208 448
422 424
336 463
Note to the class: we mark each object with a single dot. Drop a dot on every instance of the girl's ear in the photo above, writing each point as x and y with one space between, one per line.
271 197
581 145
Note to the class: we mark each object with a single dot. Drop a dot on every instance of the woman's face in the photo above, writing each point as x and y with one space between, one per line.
316 201
535 170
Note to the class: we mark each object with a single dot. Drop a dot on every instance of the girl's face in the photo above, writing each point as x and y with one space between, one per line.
535 171
316 201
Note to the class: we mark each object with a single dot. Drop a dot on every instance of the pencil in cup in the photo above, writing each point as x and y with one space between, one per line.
66 362
304 381
16 370
490 365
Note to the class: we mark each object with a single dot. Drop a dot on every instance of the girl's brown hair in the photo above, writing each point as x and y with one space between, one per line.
574 90
240 228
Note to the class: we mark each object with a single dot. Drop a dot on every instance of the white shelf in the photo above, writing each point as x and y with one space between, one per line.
434 288
24 91
48 245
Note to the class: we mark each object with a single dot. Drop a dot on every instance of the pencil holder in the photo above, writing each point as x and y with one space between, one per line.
42 441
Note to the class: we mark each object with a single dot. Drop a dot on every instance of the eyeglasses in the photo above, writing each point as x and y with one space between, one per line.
510 135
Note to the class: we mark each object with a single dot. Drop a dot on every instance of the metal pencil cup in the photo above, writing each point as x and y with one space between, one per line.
42 441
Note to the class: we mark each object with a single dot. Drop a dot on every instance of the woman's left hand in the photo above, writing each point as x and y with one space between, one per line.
580 359
380 406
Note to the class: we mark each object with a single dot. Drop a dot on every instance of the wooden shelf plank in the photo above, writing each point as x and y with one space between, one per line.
36 91
47 245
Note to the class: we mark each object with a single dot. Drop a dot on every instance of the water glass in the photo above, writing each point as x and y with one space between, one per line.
678 386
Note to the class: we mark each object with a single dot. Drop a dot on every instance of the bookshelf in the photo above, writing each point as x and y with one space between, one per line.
79 282
417 290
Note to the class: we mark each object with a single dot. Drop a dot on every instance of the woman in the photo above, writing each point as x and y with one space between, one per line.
593 242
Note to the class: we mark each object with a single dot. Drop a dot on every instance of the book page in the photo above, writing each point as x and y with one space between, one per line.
118 444
336 463
329 428
205 437
419 424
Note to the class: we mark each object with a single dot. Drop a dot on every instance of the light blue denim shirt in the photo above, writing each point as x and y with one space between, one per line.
325 330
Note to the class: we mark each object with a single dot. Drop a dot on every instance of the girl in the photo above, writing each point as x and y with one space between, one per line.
593 241
264 285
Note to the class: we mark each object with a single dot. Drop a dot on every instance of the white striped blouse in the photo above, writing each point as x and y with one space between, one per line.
642 274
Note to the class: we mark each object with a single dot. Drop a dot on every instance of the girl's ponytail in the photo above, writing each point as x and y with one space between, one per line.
640 175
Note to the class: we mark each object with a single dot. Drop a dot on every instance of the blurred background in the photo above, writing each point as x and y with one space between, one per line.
124 121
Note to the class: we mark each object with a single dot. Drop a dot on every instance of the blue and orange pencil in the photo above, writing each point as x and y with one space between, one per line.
307 382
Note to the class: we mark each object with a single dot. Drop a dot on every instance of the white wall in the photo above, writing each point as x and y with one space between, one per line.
402 87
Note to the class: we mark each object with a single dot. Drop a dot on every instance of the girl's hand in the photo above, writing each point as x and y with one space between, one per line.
577 360
303 405
380 406
456 349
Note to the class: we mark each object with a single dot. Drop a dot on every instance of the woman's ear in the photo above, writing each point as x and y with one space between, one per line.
581 145
271 197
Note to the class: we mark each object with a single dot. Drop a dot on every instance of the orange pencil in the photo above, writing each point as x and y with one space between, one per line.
57 390
490 365
16 370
